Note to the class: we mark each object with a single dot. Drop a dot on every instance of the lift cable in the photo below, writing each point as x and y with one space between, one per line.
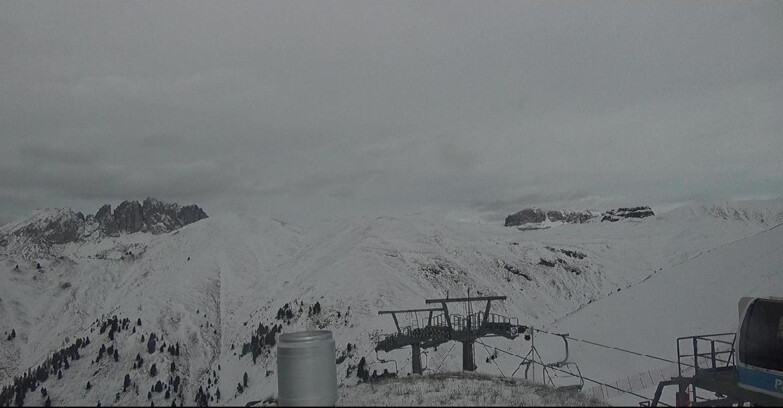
493 360
616 348
444 357
583 377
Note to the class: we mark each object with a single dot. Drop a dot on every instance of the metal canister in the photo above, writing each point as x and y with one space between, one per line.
306 369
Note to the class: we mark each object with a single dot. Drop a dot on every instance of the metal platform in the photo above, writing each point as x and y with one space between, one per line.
440 328
714 372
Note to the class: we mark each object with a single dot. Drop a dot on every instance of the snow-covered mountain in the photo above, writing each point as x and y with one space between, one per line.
536 218
211 286
45 231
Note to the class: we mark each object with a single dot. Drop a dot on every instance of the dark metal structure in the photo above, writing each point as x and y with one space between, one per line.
712 359
736 368
442 326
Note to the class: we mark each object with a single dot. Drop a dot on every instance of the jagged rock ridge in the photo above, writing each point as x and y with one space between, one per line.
532 218
537 216
35 234
632 212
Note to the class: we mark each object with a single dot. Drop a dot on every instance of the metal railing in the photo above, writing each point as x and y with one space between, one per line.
706 352
477 320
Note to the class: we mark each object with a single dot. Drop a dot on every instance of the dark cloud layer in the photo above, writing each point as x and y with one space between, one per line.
309 110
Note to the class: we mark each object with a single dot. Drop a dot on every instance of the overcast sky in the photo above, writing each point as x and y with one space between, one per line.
311 110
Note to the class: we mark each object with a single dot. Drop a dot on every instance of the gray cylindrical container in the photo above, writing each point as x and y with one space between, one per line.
306 369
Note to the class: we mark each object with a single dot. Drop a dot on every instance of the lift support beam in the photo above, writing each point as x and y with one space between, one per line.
464 329
468 337
415 347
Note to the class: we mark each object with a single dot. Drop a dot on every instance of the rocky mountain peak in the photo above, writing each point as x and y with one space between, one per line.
628 212
535 218
33 236
152 215
535 215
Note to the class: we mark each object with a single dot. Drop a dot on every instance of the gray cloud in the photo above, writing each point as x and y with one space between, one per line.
309 110
55 154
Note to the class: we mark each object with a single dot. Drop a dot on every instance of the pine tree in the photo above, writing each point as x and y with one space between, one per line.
13 333
151 345
168 395
19 396
48 402
244 379
88 385
116 355
173 367
126 382
60 375
138 322
239 388
153 370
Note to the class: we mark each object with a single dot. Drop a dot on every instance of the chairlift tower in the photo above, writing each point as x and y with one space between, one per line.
448 326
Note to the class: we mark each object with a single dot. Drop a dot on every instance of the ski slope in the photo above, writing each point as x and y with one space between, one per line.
698 296
209 285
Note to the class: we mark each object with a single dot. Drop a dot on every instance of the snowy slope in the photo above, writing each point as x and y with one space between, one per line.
698 296
209 285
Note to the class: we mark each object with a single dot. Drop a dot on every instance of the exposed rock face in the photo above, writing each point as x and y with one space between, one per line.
106 221
526 216
35 235
632 212
531 218
128 216
162 217
537 216
191 213
154 216
58 229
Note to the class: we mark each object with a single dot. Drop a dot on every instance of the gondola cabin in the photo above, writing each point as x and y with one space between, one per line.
759 345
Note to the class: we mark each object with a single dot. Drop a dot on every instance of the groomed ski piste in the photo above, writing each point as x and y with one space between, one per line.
209 285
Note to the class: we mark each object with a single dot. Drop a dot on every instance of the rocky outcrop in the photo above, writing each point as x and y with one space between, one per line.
534 218
128 216
191 213
34 236
105 219
631 212
162 217
526 216
152 216
538 216
58 229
